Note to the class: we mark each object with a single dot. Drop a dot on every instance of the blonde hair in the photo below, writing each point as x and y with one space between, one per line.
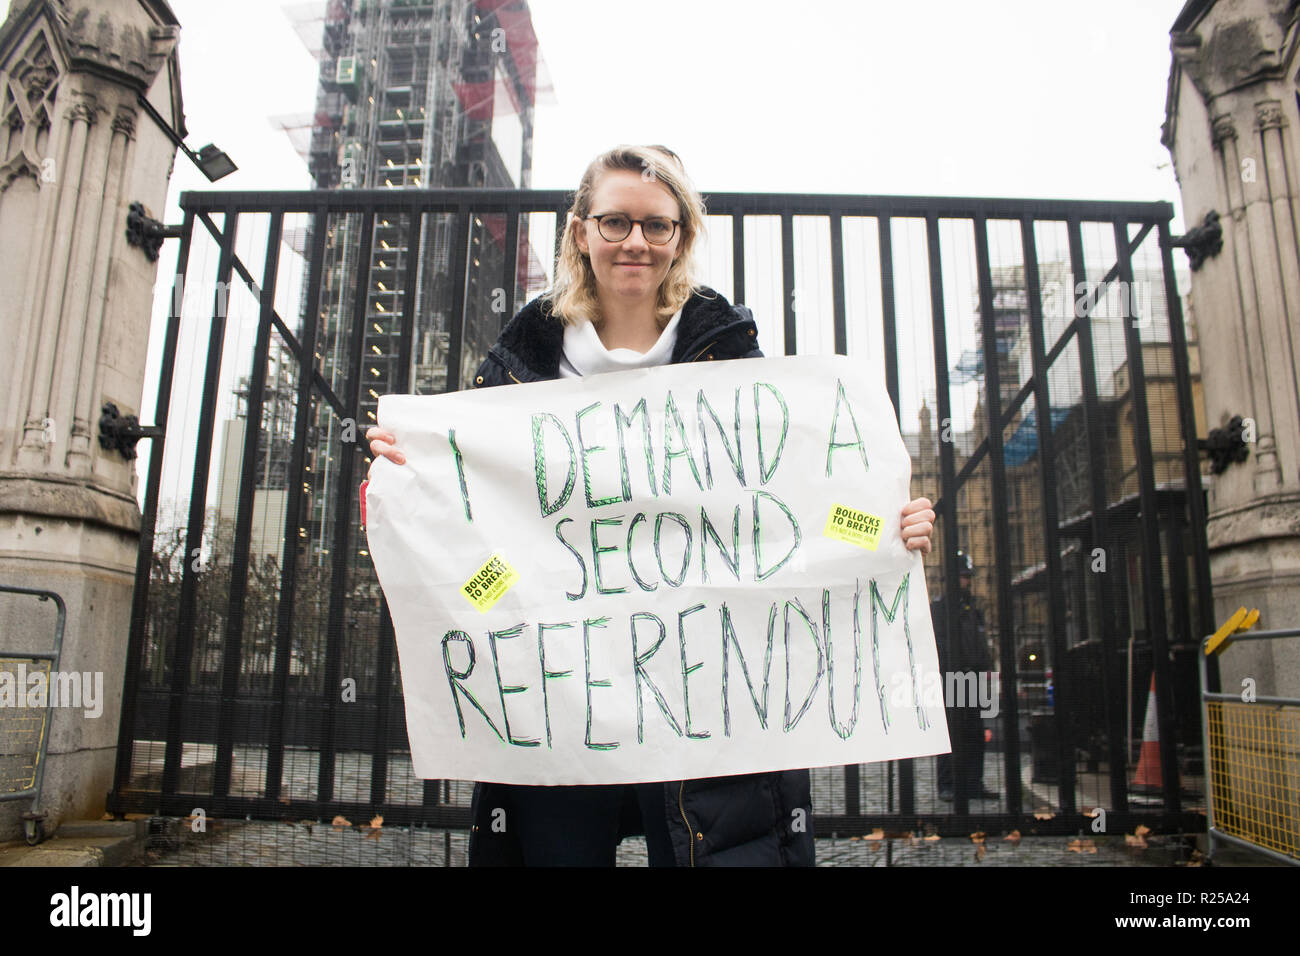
573 296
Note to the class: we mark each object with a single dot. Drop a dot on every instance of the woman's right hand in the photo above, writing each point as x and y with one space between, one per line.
381 443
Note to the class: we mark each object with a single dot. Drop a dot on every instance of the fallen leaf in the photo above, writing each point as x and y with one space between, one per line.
1081 846
374 834
1134 840
1012 837
855 838
108 816
1043 814
876 834
977 837
340 822
1142 830
979 852
377 823
932 836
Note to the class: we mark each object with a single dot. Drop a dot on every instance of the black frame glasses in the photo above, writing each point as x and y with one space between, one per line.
600 225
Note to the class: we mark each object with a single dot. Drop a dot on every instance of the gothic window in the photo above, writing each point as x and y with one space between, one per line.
27 95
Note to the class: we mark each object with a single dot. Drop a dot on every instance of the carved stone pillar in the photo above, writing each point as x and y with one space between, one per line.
75 306
1232 127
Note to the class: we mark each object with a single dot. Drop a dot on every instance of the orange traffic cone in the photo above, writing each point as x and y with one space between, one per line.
1148 776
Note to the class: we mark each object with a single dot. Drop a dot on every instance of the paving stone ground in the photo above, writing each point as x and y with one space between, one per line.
878 789
241 843
235 843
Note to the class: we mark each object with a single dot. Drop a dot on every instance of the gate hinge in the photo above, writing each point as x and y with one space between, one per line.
121 432
146 232
1226 445
1203 242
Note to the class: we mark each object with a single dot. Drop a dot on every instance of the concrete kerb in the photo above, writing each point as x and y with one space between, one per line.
83 843
123 843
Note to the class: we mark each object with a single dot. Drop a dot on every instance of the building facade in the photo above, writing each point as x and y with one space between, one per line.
1038 658
1232 113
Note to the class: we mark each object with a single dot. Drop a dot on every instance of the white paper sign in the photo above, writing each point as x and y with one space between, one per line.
681 572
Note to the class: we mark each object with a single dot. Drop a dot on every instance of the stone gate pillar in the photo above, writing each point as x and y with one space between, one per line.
1233 129
75 305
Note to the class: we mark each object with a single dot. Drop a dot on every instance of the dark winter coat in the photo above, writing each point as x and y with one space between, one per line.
761 819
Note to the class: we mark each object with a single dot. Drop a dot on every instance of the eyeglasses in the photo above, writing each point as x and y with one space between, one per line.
615 227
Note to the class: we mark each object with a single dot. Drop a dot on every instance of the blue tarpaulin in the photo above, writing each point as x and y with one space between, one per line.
1023 445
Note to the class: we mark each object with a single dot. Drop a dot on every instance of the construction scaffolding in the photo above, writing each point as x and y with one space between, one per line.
411 96
419 95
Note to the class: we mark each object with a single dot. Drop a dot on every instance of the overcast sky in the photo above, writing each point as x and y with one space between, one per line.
1004 98
1016 98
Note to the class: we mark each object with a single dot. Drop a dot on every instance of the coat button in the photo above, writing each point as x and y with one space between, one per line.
751 332
699 836
479 380
709 356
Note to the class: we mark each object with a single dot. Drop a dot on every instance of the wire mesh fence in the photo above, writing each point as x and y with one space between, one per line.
1039 363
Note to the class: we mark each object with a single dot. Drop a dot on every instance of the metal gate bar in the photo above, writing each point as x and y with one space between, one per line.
1107 604
1196 508
946 506
149 514
1047 485
198 712
232 652
1152 565
198 498
342 544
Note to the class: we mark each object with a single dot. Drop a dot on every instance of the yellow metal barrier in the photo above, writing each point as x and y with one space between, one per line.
1252 753
24 720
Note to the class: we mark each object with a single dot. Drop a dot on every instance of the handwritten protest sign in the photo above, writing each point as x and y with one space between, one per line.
672 573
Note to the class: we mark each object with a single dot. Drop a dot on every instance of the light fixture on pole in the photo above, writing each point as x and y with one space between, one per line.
213 162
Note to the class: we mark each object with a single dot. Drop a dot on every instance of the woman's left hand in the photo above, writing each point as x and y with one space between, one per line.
918 525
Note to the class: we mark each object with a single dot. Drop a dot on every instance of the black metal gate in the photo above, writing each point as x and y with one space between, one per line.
1036 354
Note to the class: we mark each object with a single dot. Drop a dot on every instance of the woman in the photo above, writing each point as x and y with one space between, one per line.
624 297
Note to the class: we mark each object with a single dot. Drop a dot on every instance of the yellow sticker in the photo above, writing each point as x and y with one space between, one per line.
489 583
855 527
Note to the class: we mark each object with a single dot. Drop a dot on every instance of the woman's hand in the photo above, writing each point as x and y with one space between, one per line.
381 443
918 525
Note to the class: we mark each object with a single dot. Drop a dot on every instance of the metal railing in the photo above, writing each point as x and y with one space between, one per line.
1252 747
25 736
254 600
